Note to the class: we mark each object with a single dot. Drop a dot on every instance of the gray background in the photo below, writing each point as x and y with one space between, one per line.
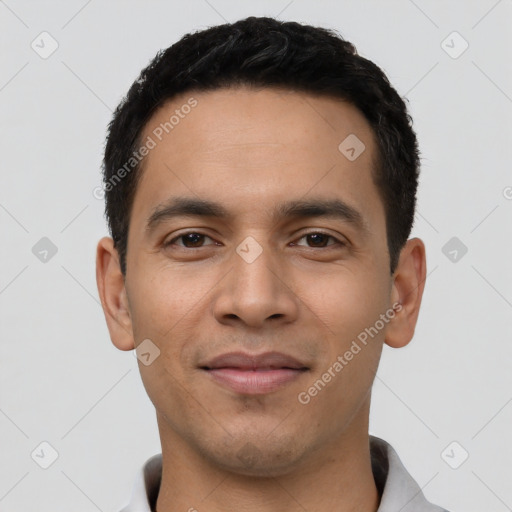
61 379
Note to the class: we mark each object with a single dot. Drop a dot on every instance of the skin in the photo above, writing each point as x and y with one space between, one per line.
250 150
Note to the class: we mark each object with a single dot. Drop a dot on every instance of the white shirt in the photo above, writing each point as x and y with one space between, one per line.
397 488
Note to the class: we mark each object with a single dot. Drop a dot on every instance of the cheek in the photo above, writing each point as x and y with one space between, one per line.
161 303
345 302
353 304
162 309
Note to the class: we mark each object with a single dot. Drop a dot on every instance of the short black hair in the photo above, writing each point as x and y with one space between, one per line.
264 52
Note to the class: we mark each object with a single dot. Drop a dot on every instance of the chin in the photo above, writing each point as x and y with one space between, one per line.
259 456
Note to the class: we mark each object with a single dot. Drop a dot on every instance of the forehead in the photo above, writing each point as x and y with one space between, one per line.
229 118
248 148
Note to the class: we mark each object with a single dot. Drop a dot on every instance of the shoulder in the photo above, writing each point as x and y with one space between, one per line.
398 489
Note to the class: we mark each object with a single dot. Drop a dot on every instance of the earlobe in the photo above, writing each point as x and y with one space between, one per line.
407 290
112 292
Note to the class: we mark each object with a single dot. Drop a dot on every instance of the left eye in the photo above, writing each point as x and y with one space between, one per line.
319 239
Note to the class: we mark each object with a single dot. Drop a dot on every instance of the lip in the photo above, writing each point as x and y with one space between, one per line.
254 374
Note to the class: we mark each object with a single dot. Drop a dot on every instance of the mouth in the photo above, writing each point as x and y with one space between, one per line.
254 374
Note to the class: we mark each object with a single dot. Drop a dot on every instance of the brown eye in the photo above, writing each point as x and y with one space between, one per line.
319 240
189 240
193 240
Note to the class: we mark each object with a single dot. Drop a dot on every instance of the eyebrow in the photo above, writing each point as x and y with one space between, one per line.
195 207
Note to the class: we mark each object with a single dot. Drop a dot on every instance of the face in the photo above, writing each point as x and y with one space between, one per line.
253 233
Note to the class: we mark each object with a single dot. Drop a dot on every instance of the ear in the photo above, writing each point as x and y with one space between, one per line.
112 291
407 290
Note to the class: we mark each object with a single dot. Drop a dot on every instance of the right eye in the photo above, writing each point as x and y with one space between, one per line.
190 240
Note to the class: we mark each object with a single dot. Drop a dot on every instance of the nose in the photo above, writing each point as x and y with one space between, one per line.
256 293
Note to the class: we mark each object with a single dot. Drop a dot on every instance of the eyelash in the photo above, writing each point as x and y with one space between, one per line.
337 241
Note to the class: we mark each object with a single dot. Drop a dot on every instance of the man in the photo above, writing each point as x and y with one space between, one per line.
260 182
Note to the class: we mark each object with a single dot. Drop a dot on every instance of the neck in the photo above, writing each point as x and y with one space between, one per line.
336 477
